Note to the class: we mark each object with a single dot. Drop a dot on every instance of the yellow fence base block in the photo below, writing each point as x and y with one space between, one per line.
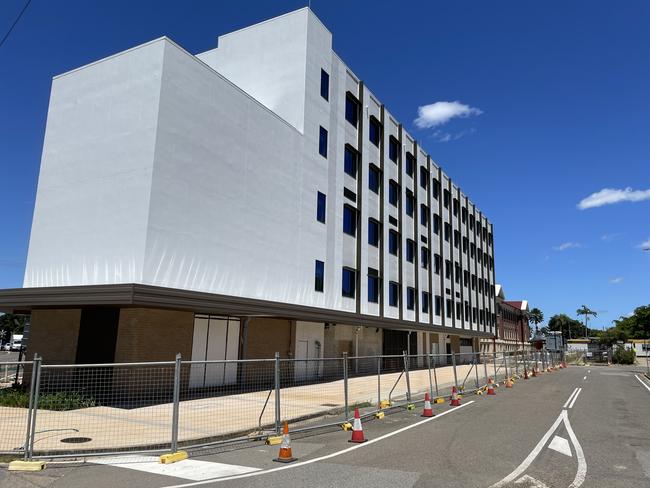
273 440
346 426
26 466
439 400
379 415
410 406
173 457
384 404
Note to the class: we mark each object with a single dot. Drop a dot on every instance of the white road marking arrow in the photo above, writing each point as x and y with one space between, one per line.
561 445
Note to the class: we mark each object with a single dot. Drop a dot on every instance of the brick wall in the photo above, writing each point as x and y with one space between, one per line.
53 335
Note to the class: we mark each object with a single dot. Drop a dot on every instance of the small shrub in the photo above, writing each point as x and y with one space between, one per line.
59 401
624 356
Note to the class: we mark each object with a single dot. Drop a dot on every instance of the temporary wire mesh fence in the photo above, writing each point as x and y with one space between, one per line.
15 401
92 409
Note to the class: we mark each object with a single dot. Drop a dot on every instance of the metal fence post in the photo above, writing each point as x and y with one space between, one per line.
32 428
177 402
485 368
453 363
378 382
345 385
494 361
505 363
476 368
435 375
516 362
406 372
28 427
429 369
277 393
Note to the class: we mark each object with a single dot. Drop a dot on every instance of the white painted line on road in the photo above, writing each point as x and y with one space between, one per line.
328 456
642 382
588 371
584 377
530 482
561 445
582 463
190 469
575 398
570 397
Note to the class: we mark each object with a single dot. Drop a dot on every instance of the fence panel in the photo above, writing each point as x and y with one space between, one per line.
14 392
103 408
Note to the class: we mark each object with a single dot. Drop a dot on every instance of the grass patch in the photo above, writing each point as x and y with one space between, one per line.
59 401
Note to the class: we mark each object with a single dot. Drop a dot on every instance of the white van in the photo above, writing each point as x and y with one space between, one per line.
16 342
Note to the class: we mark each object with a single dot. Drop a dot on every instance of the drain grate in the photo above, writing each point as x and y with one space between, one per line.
76 440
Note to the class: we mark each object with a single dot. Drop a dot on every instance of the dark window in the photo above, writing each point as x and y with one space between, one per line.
373 232
349 220
472 250
410 250
457 272
456 239
435 189
424 177
350 161
424 257
351 110
319 276
447 269
448 308
436 224
349 283
410 298
374 131
324 85
426 302
393 149
458 310
466 310
393 242
322 142
424 214
437 263
463 214
456 207
321 204
410 203
349 194
446 196
392 220
393 193
374 178
438 305
471 222
466 278
447 231
393 294
465 244
410 164
373 285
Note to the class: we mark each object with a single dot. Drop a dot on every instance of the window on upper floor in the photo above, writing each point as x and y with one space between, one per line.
436 224
393 294
463 215
349 283
424 215
447 269
393 149
322 142
456 239
471 222
374 131
410 250
447 231
456 206
319 276
410 298
435 189
448 308
393 193
373 285
350 161
458 311
426 302
352 109
324 84
465 244
424 177
321 206
393 242
457 272
410 164
349 220
446 196
424 257
437 263
373 232
374 178
438 305
410 203
466 278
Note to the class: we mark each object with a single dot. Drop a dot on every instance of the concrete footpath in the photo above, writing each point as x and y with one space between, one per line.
108 428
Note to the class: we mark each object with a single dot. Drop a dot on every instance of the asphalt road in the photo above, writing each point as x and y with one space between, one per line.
577 427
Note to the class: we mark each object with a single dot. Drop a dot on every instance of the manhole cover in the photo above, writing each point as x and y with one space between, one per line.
76 440
329 405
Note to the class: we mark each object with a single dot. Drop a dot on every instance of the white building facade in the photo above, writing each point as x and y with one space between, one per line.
259 179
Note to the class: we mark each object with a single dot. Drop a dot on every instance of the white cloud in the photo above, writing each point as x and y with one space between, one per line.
617 280
610 237
567 245
439 113
442 136
609 196
644 245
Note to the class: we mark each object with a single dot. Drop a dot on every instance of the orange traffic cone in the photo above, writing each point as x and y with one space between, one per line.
428 411
285 455
525 373
357 428
455 401
490 387
509 383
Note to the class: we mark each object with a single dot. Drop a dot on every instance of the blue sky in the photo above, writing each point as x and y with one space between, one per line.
555 97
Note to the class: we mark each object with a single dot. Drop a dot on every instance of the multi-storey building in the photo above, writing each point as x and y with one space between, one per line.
257 197
513 331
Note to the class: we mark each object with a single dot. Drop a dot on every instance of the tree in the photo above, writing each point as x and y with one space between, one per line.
637 325
535 316
11 324
565 324
586 311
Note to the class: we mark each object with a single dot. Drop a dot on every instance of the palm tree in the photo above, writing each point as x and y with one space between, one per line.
586 311
536 316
